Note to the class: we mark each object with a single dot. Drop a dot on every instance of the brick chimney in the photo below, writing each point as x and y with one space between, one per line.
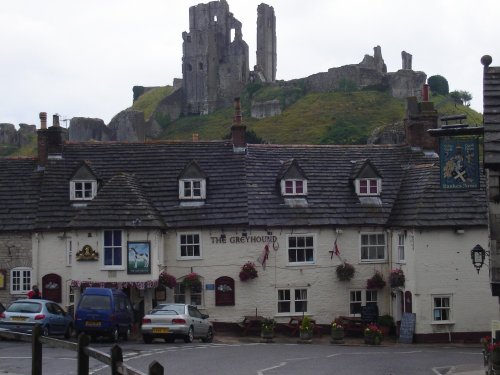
421 117
51 140
238 130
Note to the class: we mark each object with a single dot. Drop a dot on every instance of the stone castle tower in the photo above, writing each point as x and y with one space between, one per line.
214 68
266 42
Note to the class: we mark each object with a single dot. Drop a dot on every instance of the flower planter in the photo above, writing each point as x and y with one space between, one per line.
337 336
372 340
305 336
267 336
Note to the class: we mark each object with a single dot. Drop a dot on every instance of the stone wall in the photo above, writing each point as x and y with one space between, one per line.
15 251
83 129
21 137
265 109
266 42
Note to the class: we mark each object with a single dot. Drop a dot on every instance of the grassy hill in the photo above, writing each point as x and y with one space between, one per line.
306 118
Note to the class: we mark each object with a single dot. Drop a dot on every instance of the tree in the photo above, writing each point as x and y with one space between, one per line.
438 85
461 97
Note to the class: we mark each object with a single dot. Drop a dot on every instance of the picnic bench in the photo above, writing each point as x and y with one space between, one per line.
352 324
251 323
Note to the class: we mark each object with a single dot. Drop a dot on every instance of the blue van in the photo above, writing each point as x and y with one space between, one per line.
104 312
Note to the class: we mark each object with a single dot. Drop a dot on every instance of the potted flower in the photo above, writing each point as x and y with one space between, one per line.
191 280
385 323
167 280
248 271
267 329
337 332
494 354
345 271
485 342
397 278
372 334
376 281
306 329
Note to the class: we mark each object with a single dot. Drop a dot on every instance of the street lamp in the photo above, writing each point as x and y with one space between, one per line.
478 254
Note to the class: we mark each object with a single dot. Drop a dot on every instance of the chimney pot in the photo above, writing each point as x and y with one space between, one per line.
238 130
43 120
196 137
55 120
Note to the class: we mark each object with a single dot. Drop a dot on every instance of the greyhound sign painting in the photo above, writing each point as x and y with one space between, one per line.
138 257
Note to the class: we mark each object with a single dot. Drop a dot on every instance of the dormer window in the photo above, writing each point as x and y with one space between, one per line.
83 183
294 187
192 183
192 189
368 186
83 190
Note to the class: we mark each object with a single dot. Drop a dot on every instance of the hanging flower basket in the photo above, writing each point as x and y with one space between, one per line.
248 271
167 280
345 271
376 281
191 280
397 278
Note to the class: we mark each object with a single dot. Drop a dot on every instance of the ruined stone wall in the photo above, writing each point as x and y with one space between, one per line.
265 109
15 251
266 41
83 129
10 136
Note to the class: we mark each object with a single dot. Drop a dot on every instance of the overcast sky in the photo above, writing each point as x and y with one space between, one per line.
82 57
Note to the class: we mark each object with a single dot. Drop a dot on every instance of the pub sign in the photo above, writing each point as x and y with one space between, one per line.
459 163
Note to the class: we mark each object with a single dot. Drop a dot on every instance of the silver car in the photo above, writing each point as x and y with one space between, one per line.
171 321
22 315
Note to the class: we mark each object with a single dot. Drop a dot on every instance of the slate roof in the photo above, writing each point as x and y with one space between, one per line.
140 180
491 113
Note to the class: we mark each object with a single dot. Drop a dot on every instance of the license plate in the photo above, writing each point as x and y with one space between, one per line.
19 318
92 323
160 330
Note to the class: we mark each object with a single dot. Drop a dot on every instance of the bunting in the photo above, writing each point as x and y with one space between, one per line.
264 256
335 250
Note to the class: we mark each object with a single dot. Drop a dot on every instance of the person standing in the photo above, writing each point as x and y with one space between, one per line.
34 293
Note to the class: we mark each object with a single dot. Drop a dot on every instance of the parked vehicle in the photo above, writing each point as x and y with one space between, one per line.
2 308
22 315
171 321
104 312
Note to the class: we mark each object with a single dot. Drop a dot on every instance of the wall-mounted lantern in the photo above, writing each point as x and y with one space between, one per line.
478 255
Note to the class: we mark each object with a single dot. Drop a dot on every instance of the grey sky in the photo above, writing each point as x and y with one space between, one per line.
82 57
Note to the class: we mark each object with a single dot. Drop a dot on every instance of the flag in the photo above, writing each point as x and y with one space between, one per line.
335 250
264 256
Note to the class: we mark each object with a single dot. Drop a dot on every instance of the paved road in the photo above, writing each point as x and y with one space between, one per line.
229 356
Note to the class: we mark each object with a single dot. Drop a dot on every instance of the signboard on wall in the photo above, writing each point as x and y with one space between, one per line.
51 287
138 256
459 163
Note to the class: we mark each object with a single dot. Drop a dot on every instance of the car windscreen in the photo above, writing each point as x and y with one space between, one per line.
169 310
95 302
25 307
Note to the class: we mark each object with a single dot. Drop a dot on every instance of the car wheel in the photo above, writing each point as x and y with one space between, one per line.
209 337
115 334
45 331
190 336
169 339
147 339
69 332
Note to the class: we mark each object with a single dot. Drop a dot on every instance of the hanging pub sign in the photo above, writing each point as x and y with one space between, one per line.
138 257
459 163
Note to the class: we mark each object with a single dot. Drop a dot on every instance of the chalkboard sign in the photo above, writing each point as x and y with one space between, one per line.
369 313
407 328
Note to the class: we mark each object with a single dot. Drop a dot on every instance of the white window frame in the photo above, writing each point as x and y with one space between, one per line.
118 267
191 195
69 253
180 245
361 246
305 236
293 300
401 248
294 187
185 295
20 280
92 190
367 296
448 308
368 193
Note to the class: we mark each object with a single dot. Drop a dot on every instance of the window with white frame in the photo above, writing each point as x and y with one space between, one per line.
81 190
189 245
192 189
368 186
292 301
401 247
293 187
441 308
359 298
20 280
191 295
300 249
113 248
372 247
69 253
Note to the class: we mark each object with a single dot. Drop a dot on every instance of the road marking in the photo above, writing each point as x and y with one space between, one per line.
261 372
